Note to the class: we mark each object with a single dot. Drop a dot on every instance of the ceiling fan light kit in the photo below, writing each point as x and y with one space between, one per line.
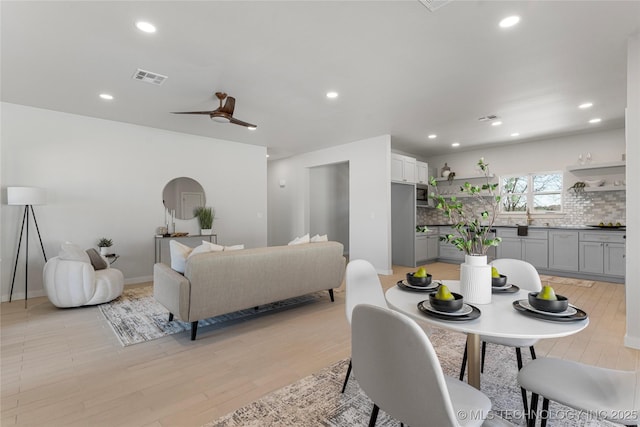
224 113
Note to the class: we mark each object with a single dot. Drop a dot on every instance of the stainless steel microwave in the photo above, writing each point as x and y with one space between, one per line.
422 194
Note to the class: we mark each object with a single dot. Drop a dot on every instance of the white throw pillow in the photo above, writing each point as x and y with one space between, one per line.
205 247
300 240
179 255
72 252
234 248
318 238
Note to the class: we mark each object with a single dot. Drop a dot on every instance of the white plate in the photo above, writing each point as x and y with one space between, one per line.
507 286
570 311
432 285
466 309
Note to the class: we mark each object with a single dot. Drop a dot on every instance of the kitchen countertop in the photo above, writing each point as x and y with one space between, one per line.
550 227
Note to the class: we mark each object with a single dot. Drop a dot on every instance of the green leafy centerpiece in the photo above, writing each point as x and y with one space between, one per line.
472 234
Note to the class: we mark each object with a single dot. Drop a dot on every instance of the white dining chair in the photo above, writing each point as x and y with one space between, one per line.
526 277
607 394
362 287
398 369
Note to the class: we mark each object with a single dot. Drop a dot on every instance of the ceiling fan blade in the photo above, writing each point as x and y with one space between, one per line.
191 112
228 106
241 123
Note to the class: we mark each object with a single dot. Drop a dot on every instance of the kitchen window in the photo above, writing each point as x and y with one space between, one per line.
538 192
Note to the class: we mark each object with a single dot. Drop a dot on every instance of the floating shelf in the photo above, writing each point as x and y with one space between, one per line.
596 166
605 188
462 178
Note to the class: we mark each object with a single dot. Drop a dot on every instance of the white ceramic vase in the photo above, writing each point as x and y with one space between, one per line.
475 279
206 231
104 250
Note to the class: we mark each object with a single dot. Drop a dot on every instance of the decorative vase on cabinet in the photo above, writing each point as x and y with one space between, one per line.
475 279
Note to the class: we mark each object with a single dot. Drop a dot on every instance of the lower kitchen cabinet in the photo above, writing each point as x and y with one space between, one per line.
602 253
533 248
563 250
426 248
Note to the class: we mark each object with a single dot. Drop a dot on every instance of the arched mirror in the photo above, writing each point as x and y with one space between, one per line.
183 195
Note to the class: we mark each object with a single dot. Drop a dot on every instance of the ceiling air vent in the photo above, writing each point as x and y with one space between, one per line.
434 5
488 118
149 77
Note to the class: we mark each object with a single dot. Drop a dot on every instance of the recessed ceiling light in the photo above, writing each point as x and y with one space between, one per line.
498 123
146 27
515 134
509 21
433 136
252 127
106 96
332 95
455 144
596 120
585 105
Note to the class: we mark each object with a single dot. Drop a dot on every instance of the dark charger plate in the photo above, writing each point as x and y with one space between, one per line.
580 315
510 290
432 287
475 313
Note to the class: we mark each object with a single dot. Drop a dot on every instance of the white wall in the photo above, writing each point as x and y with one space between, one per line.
538 156
105 178
369 197
329 202
632 338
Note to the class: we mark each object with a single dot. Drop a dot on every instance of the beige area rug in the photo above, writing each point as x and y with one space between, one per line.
555 280
136 317
316 400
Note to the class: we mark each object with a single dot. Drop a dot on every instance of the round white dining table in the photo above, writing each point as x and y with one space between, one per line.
498 319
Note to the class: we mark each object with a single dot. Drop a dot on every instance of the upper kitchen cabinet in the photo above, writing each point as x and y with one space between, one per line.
422 173
403 169
608 176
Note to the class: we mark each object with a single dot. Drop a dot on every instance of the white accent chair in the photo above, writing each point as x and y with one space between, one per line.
398 369
526 277
362 287
609 394
70 279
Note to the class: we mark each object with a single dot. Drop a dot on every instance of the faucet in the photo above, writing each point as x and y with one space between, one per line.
529 219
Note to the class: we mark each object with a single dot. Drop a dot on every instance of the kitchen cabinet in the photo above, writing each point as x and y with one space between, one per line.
403 169
422 173
563 250
427 246
602 252
447 251
533 248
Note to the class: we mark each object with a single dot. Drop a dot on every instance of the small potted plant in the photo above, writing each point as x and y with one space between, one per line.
104 244
205 215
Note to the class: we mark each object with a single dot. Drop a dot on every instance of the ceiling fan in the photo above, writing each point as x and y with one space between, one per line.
222 114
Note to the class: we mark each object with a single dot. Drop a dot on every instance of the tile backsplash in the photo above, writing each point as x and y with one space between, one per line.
579 209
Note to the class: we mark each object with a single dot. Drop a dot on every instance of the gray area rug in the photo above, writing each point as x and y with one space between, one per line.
137 317
316 400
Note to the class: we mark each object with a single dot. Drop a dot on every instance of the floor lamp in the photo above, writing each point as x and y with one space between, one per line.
27 197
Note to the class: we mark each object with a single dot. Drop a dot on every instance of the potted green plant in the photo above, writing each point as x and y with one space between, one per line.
205 215
472 226
104 244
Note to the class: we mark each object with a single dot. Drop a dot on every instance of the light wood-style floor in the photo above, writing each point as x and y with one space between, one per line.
65 367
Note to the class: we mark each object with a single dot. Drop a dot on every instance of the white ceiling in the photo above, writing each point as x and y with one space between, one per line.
400 69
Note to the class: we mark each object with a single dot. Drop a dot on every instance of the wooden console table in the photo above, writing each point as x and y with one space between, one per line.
162 253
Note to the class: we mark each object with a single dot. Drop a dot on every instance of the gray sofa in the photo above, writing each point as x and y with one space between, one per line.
217 283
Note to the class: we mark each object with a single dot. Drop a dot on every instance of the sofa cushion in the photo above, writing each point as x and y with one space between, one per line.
179 254
72 252
97 261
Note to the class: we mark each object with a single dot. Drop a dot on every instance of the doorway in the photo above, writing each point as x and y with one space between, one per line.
329 202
